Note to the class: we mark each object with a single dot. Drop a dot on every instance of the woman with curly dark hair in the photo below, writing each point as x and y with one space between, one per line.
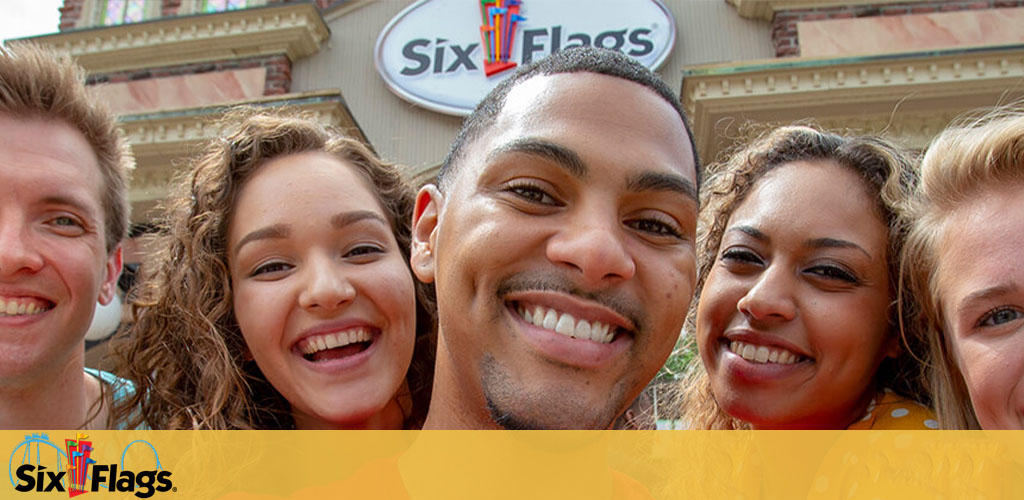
279 295
796 320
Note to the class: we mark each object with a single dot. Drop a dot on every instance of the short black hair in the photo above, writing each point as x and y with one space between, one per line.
574 60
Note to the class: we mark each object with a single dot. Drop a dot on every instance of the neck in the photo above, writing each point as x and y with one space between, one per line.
69 399
390 417
456 401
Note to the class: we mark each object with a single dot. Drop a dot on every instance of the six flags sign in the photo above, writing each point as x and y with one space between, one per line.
445 55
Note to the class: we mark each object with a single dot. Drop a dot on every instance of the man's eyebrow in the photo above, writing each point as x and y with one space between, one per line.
275 231
660 181
835 243
983 295
339 221
556 153
70 201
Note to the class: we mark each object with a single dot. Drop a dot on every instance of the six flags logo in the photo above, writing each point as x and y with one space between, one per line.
78 477
501 18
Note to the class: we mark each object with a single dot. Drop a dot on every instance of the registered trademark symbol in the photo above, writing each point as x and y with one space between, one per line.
174 488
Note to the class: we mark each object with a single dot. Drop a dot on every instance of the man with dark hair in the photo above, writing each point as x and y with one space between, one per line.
63 214
560 237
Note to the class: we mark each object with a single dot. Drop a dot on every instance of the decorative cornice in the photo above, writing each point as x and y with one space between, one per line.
162 142
295 29
883 91
766 9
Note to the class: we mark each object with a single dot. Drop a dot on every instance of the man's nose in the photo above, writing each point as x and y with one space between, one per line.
17 250
593 245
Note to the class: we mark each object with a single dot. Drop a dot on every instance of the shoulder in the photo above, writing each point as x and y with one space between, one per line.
122 388
891 411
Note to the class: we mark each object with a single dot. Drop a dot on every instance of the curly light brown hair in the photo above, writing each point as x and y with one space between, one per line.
184 351
975 154
889 177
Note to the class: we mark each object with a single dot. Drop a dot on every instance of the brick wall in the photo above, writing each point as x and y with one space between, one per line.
70 14
279 72
784 34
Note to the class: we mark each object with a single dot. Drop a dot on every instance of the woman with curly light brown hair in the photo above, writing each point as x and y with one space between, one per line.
795 322
280 295
963 263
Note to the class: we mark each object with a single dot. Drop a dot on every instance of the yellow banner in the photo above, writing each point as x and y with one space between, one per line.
515 465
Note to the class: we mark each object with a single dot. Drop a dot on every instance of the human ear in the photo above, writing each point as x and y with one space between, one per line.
424 232
112 268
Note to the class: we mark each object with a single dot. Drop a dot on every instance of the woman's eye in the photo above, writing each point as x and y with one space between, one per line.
654 227
532 193
271 267
1000 316
363 250
834 273
741 256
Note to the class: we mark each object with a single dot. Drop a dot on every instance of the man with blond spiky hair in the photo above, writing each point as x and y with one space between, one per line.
64 211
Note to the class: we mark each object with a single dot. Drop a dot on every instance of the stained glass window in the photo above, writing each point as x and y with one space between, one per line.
124 11
222 5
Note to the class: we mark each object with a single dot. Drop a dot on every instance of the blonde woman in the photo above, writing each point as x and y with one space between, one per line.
963 262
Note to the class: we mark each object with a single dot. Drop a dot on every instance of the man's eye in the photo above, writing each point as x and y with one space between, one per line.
271 267
999 316
65 221
532 193
655 227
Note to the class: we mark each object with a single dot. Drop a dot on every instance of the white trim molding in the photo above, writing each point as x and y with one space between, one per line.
908 97
295 29
164 141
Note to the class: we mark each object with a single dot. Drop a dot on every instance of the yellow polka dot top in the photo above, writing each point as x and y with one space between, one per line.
895 412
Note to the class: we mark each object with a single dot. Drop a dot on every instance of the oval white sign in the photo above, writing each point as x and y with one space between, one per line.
445 55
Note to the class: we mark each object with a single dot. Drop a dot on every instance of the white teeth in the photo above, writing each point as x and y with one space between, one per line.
333 340
583 330
567 325
550 320
12 307
763 354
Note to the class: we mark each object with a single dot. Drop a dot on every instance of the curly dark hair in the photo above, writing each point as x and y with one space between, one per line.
889 176
184 350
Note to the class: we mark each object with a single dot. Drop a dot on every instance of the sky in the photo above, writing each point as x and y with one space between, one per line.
28 17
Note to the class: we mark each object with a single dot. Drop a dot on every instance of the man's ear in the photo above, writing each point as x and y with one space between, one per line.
113 271
424 232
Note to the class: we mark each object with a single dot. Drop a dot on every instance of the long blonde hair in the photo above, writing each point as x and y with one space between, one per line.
887 173
974 154
184 351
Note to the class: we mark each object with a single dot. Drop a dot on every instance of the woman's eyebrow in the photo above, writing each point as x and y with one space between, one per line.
835 243
340 220
275 231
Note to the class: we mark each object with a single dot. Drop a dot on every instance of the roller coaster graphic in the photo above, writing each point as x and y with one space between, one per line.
498 33
58 459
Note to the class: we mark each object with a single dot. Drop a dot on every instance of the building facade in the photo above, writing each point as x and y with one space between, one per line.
902 68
